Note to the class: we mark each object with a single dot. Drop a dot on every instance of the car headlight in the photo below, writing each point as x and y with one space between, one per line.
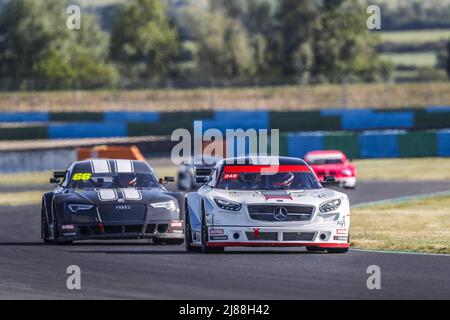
347 172
168 205
330 205
228 205
75 208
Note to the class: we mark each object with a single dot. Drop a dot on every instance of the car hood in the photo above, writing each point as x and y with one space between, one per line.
306 197
128 195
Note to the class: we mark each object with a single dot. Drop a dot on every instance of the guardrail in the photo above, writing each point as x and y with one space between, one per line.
370 144
20 125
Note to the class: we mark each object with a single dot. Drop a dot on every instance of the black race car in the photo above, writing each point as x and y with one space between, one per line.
111 199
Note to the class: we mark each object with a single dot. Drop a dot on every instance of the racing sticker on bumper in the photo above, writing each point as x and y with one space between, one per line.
340 238
219 237
216 231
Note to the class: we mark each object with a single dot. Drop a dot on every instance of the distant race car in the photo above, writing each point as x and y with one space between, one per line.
332 163
271 201
111 199
194 173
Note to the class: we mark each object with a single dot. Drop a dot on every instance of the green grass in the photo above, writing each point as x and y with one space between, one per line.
414 169
30 178
416 59
417 226
415 36
21 198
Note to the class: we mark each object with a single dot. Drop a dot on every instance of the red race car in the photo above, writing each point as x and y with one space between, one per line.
332 163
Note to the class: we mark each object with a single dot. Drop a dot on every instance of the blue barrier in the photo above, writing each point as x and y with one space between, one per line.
87 130
132 116
365 119
432 109
238 120
342 111
299 144
443 143
379 144
24 116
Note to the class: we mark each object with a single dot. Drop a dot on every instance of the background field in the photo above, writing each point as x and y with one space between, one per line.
420 226
415 36
305 97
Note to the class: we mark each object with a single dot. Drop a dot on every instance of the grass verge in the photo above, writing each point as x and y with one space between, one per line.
415 36
21 198
413 169
27 178
419 226
303 97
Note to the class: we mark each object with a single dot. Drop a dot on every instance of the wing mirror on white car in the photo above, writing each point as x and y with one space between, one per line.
329 181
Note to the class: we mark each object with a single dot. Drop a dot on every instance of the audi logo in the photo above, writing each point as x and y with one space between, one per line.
123 207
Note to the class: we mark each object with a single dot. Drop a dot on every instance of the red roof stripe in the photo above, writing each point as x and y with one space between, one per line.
265 168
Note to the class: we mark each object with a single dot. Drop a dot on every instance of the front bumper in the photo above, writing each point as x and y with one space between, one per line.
100 231
227 236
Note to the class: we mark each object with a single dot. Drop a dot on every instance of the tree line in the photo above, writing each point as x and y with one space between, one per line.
191 42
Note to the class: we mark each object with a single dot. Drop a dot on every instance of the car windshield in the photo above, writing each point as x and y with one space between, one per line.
292 178
112 180
325 161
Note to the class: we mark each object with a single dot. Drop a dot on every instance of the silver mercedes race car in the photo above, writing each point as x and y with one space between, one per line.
266 202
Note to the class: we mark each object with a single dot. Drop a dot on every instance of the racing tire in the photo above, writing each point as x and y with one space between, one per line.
314 249
204 247
187 232
337 250
44 227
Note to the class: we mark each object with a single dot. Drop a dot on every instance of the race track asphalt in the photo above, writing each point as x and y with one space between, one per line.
136 269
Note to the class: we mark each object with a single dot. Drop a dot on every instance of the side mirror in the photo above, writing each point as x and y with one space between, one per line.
329 181
169 179
58 174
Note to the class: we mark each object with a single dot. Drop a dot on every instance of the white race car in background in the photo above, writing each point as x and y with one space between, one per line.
266 202
194 172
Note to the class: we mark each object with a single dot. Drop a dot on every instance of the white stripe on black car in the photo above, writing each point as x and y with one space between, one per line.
124 166
100 166
131 194
107 194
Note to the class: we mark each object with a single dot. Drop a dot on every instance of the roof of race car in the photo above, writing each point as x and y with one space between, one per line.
269 160
320 154
111 166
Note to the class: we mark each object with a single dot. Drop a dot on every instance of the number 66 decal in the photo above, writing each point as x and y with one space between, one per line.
82 176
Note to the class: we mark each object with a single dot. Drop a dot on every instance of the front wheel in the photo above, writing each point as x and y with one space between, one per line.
204 247
188 232
56 235
44 227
